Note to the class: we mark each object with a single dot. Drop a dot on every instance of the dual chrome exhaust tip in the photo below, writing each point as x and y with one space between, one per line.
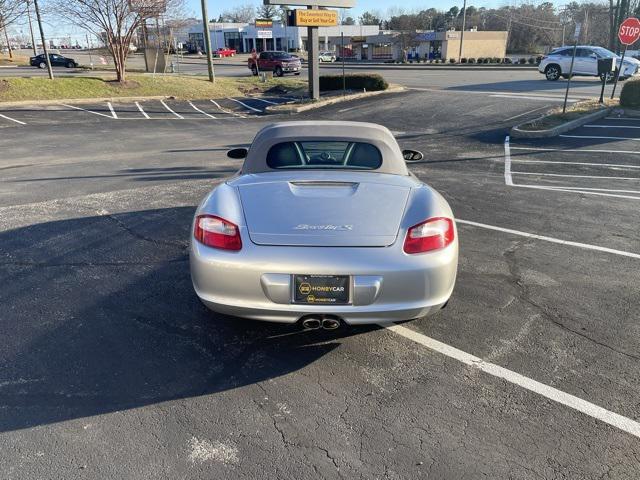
324 322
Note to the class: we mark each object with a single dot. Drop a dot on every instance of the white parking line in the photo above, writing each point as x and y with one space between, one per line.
231 112
113 112
585 246
142 111
637 152
85 110
508 180
586 164
610 126
167 107
592 410
532 97
525 113
245 105
573 176
265 101
12 119
201 111
599 138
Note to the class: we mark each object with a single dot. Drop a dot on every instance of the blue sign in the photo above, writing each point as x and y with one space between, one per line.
426 37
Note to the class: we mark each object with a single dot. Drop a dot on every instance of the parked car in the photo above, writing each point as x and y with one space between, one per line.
277 62
56 61
327 57
224 52
558 63
324 225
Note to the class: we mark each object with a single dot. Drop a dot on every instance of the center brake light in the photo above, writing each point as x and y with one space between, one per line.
432 234
217 232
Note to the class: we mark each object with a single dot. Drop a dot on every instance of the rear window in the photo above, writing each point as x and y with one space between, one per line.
324 154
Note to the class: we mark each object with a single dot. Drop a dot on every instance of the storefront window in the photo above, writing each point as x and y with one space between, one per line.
382 52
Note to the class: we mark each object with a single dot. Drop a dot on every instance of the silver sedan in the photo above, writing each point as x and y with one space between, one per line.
324 224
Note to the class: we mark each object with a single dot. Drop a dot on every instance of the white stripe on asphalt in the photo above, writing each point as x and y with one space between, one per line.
525 113
599 137
225 110
245 105
508 180
85 110
592 410
494 93
265 101
201 111
167 107
585 246
587 164
574 176
142 111
637 152
113 112
12 119
610 126
598 189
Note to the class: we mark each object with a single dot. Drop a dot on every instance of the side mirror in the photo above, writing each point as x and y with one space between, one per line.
412 156
238 153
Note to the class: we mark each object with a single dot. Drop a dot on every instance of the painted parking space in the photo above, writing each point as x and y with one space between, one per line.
154 109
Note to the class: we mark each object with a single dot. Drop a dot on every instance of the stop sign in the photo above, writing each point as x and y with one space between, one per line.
629 31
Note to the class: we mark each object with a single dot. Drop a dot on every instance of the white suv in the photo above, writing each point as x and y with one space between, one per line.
558 63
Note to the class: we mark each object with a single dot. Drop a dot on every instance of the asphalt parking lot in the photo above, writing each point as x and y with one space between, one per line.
111 366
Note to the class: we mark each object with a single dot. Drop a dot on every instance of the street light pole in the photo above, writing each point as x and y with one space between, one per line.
207 41
464 21
44 42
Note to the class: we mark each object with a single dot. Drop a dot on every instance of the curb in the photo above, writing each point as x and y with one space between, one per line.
390 66
292 108
516 132
629 112
80 100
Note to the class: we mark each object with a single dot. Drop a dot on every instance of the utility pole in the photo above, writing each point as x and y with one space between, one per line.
207 41
44 42
464 21
33 39
6 36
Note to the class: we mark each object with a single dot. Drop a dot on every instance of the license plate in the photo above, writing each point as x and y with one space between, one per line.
321 289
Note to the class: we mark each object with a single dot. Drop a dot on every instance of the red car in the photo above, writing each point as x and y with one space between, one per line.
277 62
224 52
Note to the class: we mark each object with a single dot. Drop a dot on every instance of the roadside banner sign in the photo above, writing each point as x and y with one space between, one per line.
577 31
264 23
314 18
264 33
629 31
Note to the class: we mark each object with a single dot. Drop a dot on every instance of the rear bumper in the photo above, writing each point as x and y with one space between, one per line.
388 285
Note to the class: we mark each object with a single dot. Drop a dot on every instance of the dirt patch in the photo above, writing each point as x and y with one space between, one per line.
4 85
277 90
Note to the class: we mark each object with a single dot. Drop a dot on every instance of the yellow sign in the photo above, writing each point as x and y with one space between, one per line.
316 18
264 23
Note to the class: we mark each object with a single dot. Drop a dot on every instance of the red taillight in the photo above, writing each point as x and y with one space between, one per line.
217 232
432 234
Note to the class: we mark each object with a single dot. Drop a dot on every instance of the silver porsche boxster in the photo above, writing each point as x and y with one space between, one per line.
324 224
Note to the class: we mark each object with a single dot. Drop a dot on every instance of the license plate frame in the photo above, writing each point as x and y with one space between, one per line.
311 289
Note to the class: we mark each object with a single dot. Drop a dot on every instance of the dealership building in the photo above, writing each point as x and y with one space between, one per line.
355 42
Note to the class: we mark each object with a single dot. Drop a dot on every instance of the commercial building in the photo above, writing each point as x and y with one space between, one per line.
360 42
245 37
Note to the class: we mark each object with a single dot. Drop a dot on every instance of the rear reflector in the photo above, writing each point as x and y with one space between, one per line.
432 234
217 232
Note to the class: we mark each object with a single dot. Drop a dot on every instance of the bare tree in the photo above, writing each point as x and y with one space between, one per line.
240 14
10 11
115 21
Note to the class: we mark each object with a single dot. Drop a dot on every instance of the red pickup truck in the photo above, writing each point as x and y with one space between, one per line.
277 62
224 52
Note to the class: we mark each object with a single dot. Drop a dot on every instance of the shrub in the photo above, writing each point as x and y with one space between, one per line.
538 59
531 60
452 60
471 60
463 60
507 61
486 60
630 94
522 61
360 81
480 59
496 60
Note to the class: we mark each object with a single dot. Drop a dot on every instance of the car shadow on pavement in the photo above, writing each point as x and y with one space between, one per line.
99 315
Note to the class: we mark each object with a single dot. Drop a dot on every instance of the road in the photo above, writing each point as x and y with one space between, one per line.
112 368
494 79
